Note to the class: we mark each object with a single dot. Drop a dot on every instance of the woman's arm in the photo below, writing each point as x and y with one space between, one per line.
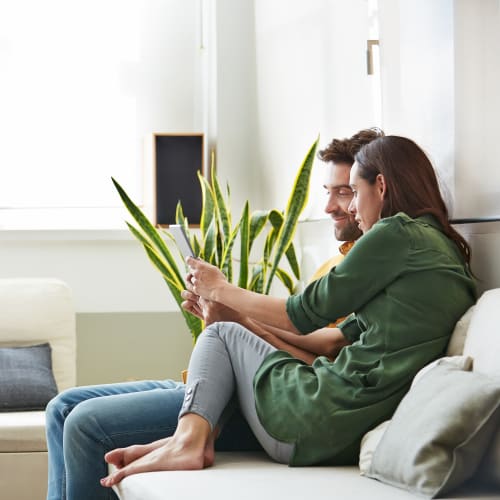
324 342
208 282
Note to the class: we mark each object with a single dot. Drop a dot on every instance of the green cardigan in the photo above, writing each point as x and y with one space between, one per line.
407 285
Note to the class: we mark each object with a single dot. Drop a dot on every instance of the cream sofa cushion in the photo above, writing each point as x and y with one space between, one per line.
457 339
22 431
439 432
483 337
37 310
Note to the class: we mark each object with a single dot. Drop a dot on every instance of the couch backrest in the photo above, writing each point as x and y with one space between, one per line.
37 310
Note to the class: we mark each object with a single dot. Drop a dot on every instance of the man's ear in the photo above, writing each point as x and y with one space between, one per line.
381 185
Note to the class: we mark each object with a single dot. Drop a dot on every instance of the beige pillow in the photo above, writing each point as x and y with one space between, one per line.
372 438
369 444
439 432
457 339
488 471
483 337
459 362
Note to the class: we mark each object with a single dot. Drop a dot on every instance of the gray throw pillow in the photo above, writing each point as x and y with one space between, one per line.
26 378
439 432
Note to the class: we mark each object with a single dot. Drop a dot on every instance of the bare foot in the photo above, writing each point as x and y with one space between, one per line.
120 457
185 450
209 453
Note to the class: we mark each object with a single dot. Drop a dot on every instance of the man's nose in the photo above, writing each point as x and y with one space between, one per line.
331 204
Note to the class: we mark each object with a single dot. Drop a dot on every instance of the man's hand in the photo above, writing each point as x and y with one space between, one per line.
204 279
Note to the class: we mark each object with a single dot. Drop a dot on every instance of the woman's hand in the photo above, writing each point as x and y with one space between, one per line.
207 310
204 279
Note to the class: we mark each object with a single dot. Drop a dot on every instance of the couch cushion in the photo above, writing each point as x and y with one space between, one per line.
459 334
488 471
372 438
251 476
26 378
439 432
36 310
483 337
22 431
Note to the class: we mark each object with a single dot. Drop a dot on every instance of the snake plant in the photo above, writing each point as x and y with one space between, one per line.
215 239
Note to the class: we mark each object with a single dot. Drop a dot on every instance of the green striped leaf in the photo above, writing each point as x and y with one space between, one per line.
244 246
292 260
221 208
296 204
148 230
208 205
286 279
258 220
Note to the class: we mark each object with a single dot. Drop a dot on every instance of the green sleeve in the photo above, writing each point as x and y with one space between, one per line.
375 261
350 328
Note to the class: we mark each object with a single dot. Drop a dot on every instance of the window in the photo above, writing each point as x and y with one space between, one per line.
82 84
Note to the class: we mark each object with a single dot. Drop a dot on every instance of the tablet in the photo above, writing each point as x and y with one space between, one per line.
182 240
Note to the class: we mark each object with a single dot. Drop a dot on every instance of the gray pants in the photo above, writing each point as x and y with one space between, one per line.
223 364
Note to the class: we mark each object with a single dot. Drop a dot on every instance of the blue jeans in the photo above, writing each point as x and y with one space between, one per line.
84 423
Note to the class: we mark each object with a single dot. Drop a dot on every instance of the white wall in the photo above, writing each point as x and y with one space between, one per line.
311 79
287 70
477 107
418 79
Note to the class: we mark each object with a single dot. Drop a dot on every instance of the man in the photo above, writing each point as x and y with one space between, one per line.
339 158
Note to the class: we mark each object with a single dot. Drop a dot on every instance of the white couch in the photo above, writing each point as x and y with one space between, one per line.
253 476
33 311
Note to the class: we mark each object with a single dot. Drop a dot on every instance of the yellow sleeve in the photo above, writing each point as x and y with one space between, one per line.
324 269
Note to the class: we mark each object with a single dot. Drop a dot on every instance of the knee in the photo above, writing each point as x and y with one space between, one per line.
222 329
81 423
59 406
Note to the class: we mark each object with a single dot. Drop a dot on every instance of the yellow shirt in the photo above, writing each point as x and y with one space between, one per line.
329 264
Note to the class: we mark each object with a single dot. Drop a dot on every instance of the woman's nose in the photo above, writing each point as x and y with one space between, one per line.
352 206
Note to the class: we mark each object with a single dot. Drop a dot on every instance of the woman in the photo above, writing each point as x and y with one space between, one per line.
83 423
407 281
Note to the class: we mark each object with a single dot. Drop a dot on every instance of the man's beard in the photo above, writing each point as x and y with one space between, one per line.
350 232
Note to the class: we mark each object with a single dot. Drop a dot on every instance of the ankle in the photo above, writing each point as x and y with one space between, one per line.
193 431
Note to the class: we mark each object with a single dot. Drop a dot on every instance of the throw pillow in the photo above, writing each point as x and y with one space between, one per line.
459 362
439 432
459 334
369 444
488 471
482 337
26 378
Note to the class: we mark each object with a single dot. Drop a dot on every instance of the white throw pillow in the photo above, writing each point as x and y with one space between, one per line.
457 339
372 438
459 362
483 337
369 444
439 432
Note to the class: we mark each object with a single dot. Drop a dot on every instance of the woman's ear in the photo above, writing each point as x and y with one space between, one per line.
381 185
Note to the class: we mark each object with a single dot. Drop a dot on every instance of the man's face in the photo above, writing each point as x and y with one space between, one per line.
339 197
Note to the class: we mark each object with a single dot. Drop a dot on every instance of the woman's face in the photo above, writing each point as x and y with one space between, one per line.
368 199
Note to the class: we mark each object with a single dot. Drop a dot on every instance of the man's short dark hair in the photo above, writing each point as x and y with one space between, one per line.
344 150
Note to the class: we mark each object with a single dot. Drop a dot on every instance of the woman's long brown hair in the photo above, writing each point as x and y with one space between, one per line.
412 185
